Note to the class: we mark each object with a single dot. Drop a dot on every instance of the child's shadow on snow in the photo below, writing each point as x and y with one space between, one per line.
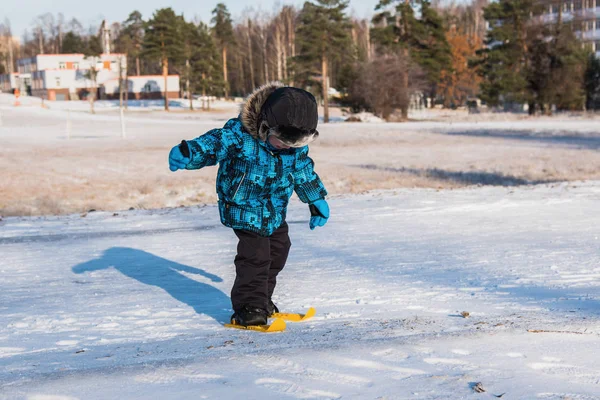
167 275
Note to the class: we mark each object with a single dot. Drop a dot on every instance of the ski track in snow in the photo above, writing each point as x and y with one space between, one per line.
131 306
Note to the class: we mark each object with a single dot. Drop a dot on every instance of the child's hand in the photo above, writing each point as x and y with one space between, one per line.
177 158
320 213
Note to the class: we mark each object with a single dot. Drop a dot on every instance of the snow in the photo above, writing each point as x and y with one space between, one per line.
131 305
111 105
366 117
62 160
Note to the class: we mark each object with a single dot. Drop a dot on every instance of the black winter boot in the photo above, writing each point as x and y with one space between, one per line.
271 308
249 315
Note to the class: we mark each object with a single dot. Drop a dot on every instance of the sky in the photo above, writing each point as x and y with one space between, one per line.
21 13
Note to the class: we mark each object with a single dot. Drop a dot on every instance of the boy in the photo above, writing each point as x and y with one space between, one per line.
263 158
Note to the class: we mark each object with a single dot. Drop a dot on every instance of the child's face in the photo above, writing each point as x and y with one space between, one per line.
278 144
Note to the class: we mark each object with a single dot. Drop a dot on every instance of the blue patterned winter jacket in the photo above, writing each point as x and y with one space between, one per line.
254 184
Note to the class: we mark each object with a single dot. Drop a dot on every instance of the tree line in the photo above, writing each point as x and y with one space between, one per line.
529 59
411 51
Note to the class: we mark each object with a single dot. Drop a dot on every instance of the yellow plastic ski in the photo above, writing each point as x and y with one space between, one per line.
276 326
296 317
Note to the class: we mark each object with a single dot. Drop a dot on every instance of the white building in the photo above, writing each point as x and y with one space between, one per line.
142 87
8 82
585 16
66 76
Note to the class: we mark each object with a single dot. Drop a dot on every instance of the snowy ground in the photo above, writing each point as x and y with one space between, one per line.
130 305
49 169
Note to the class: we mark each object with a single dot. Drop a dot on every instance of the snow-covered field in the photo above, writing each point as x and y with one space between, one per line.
56 161
130 305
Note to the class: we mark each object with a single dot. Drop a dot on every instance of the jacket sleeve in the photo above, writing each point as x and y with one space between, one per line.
307 184
214 146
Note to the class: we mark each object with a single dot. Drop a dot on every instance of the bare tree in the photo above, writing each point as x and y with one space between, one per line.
289 15
29 46
264 40
375 86
8 45
48 26
278 49
38 28
467 17
250 54
283 37
361 35
75 26
60 22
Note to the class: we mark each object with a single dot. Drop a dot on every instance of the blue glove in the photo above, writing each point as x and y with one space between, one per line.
179 157
319 211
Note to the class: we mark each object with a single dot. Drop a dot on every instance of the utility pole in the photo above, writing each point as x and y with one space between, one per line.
105 36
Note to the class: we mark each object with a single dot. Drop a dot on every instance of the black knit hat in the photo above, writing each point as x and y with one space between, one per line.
291 115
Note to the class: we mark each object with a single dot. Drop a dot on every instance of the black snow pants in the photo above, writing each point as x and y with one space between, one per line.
258 262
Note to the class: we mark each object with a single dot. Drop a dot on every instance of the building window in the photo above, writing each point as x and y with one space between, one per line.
568 6
597 45
554 8
57 82
578 5
62 65
75 65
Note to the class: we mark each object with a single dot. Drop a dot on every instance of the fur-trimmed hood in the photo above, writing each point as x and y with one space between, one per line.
290 114
250 111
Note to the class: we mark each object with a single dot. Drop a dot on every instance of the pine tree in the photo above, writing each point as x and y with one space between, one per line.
537 71
72 43
429 47
201 60
162 42
93 47
208 64
502 63
568 67
592 83
323 36
528 60
132 36
223 32
190 42
420 37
